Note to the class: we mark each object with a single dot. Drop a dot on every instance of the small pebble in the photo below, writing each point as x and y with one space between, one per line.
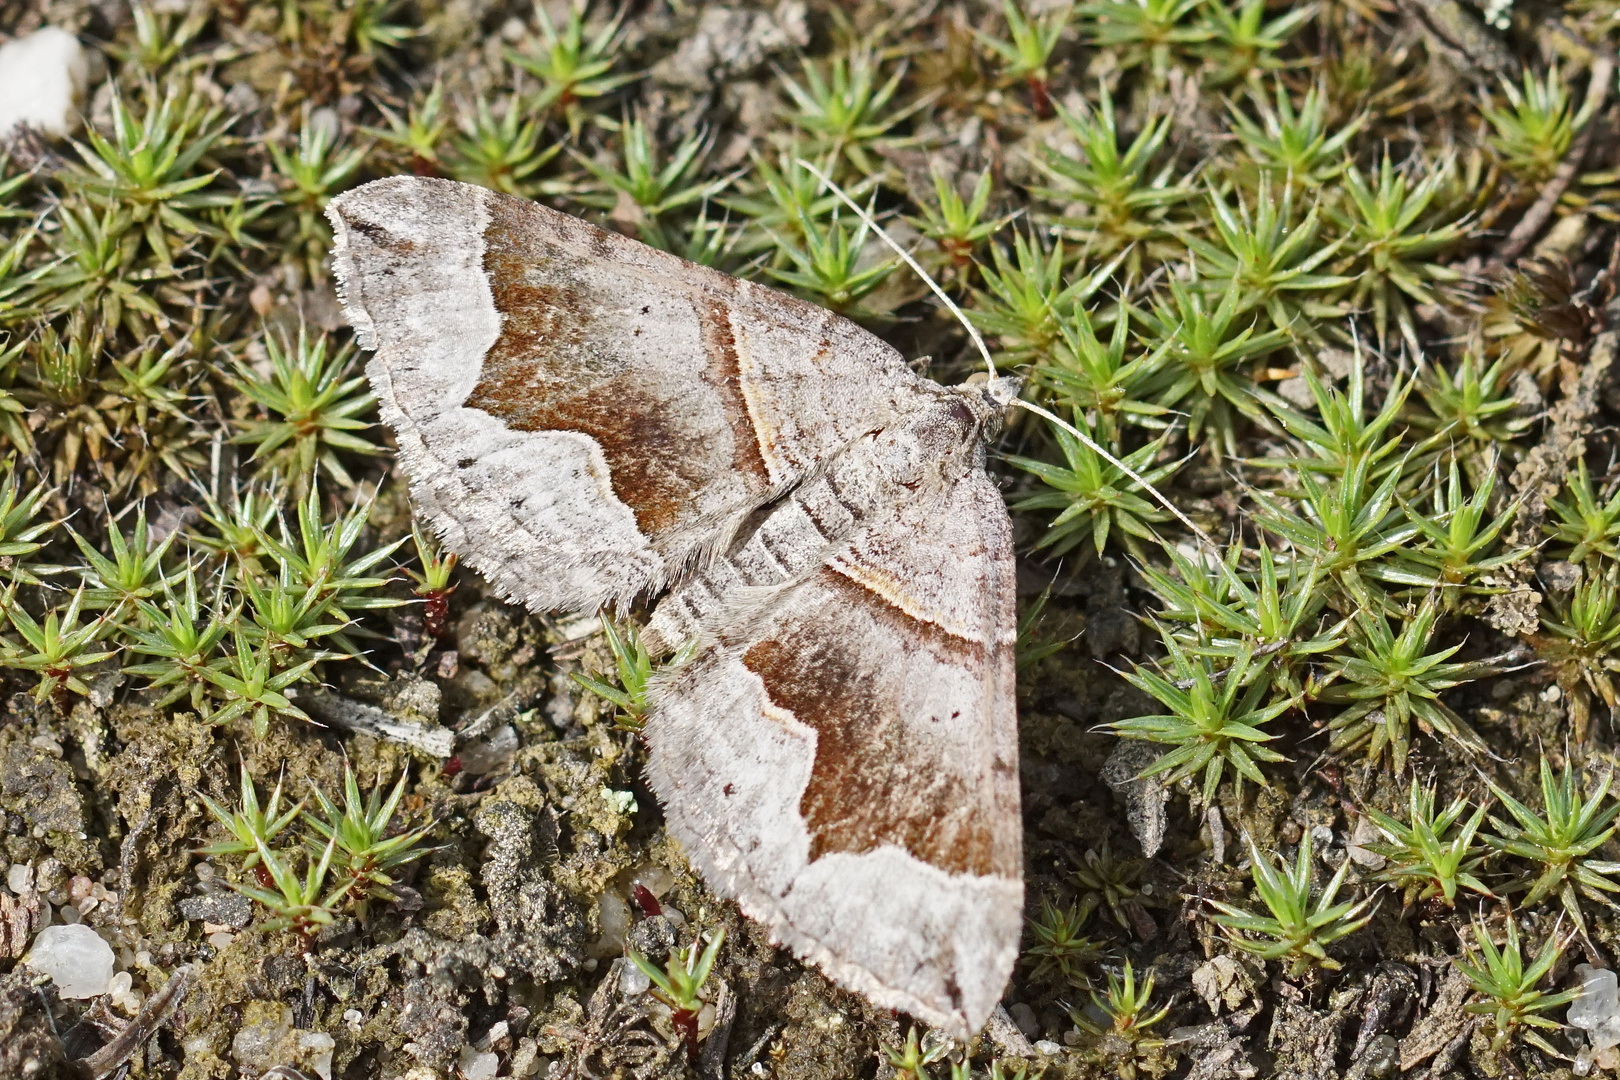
75 957
41 77
258 1044
1048 1048
70 914
613 915
1596 1009
50 876
1366 833
633 981
20 879
316 1050
225 910
478 1066
123 995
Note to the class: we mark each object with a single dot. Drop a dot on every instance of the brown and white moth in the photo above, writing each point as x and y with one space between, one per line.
587 420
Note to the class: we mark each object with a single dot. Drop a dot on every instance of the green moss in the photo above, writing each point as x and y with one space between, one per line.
1242 247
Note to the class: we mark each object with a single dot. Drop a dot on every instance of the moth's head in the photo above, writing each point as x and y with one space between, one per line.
1001 391
990 396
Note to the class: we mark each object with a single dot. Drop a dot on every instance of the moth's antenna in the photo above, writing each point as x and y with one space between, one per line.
989 362
1122 467
905 256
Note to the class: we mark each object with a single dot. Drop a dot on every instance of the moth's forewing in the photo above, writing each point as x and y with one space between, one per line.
580 414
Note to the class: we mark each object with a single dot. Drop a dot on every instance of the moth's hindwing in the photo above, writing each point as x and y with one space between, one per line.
580 414
846 765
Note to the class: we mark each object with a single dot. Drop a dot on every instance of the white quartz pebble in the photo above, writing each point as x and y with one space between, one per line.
479 1066
1597 1009
632 980
41 78
75 957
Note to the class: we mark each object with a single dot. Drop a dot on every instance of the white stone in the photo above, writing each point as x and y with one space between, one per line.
123 995
258 1045
41 78
75 957
479 1066
20 879
315 1048
1366 833
632 980
1597 1009
526 1058
613 916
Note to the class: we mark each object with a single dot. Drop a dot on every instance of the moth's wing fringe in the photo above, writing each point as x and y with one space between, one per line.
343 270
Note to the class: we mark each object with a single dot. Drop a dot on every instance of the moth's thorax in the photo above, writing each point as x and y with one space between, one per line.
989 397
934 444
929 450
946 436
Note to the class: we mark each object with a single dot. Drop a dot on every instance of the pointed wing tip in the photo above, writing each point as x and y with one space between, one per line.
363 218
343 271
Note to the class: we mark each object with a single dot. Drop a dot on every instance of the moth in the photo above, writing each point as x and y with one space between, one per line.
587 421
